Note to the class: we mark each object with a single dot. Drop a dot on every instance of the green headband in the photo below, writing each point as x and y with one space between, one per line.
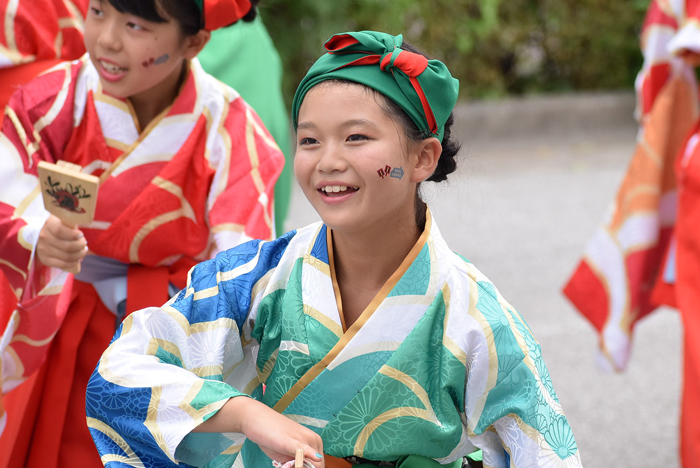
423 88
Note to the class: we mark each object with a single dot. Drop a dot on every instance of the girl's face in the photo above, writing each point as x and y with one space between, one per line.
353 161
133 55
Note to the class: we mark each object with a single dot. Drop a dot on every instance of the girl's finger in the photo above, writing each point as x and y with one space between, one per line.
64 232
57 229
289 449
68 246
65 256
313 455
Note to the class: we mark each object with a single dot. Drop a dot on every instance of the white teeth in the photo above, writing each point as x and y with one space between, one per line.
334 188
111 68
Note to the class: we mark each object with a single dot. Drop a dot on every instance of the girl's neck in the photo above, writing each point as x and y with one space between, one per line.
365 260
149 104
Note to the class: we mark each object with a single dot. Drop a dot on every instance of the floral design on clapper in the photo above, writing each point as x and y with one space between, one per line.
67 197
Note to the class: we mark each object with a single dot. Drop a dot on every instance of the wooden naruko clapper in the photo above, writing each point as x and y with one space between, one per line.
68 194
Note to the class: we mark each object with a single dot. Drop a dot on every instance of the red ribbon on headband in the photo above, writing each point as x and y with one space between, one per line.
409 63
422 88
221 13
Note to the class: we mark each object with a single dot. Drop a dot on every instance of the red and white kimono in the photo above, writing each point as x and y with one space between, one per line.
199 179
648 251
618 280
35 35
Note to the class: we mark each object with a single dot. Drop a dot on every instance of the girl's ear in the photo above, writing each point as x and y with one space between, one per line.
195 43
428 151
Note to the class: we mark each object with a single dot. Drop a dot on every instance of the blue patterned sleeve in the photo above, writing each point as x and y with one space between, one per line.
169 369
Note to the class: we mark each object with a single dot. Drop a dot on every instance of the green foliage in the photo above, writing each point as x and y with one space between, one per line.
495 47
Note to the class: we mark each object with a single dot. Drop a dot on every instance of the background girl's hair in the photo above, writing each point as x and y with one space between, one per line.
185 12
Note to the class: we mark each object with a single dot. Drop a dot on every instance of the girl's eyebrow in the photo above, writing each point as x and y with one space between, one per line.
306 126
359 123
348 123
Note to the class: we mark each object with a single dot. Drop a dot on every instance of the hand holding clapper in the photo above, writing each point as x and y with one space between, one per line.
68 194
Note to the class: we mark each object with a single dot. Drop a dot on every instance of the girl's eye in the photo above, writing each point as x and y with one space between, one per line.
136 27
307 141
95 11
358 137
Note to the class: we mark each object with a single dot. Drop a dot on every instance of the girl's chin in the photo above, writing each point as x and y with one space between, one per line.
339 224
344 225
111 90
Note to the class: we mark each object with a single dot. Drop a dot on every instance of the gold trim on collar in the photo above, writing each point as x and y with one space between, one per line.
393 280
143 134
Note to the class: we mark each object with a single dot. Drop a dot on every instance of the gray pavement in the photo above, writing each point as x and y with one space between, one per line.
534 181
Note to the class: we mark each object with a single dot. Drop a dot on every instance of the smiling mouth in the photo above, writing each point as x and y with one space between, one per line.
337 190
112 68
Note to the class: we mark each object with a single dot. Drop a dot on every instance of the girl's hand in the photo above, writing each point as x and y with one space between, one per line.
60 246
280 437
276 435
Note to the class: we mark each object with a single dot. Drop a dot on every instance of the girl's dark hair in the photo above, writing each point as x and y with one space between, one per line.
184 12
447 163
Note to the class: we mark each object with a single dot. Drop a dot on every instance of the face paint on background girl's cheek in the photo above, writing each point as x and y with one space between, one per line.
156 61
394 173
161 60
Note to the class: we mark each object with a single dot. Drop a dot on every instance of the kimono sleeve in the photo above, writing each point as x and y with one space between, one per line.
663 39
687 37
171 368
242 198
511 408
36 126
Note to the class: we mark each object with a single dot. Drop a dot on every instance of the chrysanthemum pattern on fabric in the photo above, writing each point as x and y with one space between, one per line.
439 365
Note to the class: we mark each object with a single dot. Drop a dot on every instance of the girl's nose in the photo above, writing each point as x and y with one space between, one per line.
109 38
331 160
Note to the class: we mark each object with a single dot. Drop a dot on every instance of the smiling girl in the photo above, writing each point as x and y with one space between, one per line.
186 170
375 343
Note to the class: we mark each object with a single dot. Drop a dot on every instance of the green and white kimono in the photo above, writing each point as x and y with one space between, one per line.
438 364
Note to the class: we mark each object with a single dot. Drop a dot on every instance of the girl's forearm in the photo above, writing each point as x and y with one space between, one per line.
229 418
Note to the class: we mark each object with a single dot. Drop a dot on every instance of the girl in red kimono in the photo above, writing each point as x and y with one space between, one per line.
36 35
186 170
686 255
648 253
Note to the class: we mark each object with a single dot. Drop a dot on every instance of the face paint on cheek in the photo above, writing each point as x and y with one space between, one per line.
397 173
156 61
161 60
384 171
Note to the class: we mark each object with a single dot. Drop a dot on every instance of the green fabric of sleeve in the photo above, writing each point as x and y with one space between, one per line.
416 461
244 57
196 447
423 88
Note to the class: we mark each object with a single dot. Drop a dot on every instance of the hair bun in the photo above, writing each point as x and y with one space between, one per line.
447 163
252 13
